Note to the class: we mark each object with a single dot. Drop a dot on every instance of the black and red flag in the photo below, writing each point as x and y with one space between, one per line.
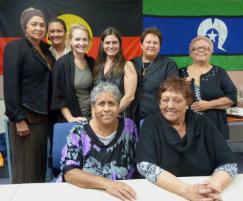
125 15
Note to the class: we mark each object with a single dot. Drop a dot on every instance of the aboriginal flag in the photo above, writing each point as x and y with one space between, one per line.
182 20
125 15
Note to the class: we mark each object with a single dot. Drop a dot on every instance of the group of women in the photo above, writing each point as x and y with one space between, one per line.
185 119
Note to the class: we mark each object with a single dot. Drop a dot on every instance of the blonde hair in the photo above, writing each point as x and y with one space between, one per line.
206 39
78 26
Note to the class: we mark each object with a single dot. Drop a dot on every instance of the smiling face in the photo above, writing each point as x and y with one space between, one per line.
150 46
106 108
111 45
79 41
56 33
36 28
201 51
173 106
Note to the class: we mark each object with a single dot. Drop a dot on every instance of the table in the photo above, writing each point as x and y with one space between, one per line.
7 192
146 191
235 121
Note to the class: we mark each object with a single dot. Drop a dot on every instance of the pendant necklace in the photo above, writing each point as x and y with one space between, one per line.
145 69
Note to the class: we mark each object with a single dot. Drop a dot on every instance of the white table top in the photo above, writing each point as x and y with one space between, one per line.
145 190
7 191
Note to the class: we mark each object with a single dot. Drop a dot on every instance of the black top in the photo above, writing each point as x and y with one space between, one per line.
146 102
110 77
26 79
198 153
215 84
63 84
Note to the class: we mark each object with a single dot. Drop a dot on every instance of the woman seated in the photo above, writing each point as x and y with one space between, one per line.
178 142
102 151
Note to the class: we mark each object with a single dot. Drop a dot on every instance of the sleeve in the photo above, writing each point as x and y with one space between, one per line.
172 69
58 86
146 150
149 171
130 125
230 168
228 87
13 65
72 152
218 149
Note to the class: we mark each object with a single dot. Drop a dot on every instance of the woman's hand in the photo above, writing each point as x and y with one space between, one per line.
202 192
22 128
200 106
121 190
77 119
215 190
188 79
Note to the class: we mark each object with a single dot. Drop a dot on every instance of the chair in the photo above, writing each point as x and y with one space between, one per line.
60 132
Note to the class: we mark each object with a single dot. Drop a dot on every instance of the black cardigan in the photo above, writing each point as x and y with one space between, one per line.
26 79
198 153
146 102
63 84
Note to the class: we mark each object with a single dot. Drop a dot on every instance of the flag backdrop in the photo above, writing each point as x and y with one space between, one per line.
178 20
182 20
125 15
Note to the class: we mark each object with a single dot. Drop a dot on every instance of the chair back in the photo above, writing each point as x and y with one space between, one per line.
60 132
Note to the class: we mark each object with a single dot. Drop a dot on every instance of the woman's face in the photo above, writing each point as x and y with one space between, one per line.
36 28
150 46
80 41
56 33
111 45
201 51
173 106
106 108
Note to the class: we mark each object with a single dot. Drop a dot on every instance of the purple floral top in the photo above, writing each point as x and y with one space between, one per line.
114 161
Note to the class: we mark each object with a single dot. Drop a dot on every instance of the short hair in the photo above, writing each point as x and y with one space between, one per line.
78 26
58 20
151 30
178 85
197 38
105 87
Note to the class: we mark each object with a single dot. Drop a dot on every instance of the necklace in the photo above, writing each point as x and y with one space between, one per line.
145 69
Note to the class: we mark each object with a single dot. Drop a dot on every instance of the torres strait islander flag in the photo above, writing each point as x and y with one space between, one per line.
96 15
182 20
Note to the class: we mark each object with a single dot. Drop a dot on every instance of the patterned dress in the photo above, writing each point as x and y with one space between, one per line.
85 151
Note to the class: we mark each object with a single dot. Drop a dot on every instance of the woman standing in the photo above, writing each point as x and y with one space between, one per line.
27 67
57 30
72 78
111 66
213 90
152 69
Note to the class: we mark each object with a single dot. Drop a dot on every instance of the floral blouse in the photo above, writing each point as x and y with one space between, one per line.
85 151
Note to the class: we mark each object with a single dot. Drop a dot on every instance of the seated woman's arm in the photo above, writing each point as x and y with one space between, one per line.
223 175
85 180
171 183
130 85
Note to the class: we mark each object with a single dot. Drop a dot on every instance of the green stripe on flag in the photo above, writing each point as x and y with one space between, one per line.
193 7
226 62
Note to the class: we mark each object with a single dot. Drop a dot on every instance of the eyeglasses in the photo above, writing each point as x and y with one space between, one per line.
201 48
175 101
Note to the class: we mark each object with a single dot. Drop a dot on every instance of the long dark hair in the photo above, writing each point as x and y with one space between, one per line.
117 67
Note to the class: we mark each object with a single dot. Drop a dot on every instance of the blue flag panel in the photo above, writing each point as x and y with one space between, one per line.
225 32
